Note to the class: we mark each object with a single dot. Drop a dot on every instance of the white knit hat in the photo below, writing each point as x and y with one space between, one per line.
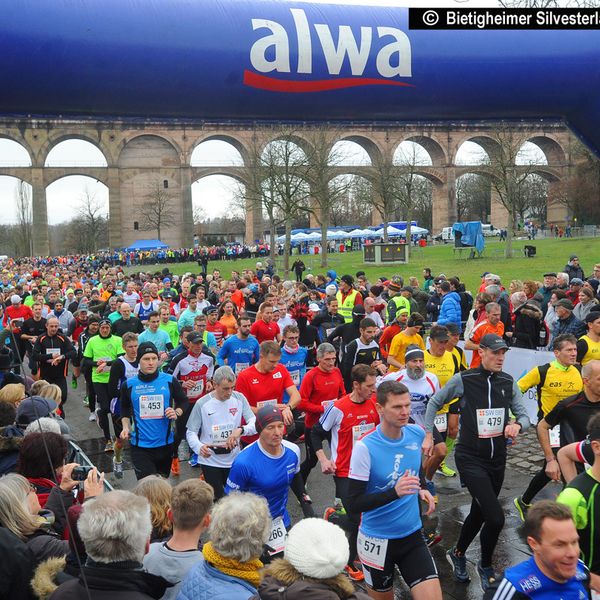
330 290
317 548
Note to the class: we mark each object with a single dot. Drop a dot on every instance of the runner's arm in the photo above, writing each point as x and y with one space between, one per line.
529 380
117 370
568 458
178 396
194 426
582 349
517 406
453 389
250 427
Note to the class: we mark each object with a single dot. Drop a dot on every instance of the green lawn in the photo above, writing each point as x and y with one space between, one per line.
552 255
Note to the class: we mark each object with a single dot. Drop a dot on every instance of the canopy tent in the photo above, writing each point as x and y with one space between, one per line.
391 231
337 235
470 234
357 233
314 236
146 245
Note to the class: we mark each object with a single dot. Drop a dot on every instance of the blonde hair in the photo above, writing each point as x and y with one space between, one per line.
12 393
191 501
36 386
14 509
52 392
158 493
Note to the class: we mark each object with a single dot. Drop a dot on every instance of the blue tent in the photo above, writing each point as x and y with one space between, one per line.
472 234
146 245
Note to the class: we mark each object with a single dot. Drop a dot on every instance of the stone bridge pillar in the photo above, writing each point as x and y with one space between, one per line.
499 217
115 225
41 242
254 221
556 211
440 208
187 211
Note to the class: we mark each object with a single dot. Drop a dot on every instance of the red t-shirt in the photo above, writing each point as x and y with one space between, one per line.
478 332
317 390
18 314
262 389
264 332
218 330
348 421
385 341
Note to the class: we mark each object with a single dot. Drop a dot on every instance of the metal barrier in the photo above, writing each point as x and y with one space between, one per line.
81 458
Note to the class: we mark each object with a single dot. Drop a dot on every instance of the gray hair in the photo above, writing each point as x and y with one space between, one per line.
43 425
490 306
324 348
518 299
115 527
240 525
493 290
588 369
562 277
222 374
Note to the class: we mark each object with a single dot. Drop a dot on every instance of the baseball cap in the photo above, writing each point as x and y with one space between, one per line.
492 342
209 309
314 307
592 316
33 408
551 274
576 281
267 415
347 279
564 303
194 337
439 333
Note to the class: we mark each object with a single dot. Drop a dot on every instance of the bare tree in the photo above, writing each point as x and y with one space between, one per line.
158 210
93 221
473 197
23 242
508 174
355 206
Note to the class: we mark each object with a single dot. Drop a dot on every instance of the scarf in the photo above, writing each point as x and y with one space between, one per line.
291 350
248 571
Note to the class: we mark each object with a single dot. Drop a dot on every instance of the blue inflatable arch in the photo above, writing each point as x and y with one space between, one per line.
293 61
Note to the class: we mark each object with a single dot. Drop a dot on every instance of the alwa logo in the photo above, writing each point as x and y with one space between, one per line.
387 49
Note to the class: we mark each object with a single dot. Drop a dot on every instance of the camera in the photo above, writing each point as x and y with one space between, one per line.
80 473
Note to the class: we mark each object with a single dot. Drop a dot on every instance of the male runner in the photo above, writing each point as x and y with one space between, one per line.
241 350
588 345
384 486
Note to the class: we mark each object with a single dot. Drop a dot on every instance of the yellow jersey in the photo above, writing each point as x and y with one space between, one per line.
444 367
399 345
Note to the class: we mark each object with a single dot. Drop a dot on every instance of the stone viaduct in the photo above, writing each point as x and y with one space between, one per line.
145 153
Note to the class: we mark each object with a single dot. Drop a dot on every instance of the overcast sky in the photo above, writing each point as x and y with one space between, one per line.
212 194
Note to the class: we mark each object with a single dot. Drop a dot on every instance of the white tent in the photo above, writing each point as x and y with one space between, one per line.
313 236
357 233
391 231
336 235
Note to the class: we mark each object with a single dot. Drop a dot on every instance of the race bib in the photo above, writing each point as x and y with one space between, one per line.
239 367
490 422
555 436
221 432
295 377
54 352
359 430
197 389
372 550
152 406
277 536
266 403
441 422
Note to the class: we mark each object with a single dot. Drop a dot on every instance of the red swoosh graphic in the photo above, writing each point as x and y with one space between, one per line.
293 86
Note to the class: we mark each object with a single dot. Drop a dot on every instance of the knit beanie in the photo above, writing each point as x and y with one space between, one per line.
317 548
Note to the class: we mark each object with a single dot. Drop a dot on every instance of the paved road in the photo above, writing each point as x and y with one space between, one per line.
453 504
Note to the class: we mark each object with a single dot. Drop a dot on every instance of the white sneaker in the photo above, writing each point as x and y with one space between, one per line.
92 416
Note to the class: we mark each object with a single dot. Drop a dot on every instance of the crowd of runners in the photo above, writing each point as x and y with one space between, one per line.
255 381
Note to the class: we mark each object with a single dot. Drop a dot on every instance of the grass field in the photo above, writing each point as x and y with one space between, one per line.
552 255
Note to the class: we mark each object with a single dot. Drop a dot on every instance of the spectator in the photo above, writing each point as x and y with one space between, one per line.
191 502
14 393
115 529
315 555
450 311
551 316
239 527
546 290
567 322
528 325
573 268
36 407
158 493
11 438
583 307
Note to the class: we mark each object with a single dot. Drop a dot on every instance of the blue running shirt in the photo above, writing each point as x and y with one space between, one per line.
381 461
256 471
240 354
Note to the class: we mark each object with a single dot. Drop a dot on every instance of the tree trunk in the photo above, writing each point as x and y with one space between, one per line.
273 243
512 223
158 231
407 234
385 226
287 248
324 225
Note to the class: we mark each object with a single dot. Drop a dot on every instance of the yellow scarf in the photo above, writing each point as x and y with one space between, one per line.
248 571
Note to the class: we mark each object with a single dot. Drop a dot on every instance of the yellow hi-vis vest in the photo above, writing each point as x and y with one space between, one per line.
345 307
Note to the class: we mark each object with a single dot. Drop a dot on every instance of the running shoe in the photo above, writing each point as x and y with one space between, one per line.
431 489
86 401
117 469
487 576
522 507
459 565
307 510
74 383
109 446
92 416
175 470
194 460
353 573
329 512
306 498
446 471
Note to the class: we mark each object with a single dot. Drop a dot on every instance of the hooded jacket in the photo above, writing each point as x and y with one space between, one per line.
11 438
528 323
450 311
282 582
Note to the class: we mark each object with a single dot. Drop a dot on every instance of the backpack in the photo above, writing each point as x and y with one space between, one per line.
466 304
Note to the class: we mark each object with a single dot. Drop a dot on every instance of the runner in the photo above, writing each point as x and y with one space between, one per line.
241 350
384 486
157 336
346 420
30 331
265 329
194 372
168 324
486 395
100 352
150 402
143 309
213 326
91 330
554 570
588 346
268 468
320 388
215 427
554 381
293 357
490 325
409 336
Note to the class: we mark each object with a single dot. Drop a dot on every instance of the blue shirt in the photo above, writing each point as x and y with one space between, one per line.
527 578
380 462
238 352
256 471
296 365
160 339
